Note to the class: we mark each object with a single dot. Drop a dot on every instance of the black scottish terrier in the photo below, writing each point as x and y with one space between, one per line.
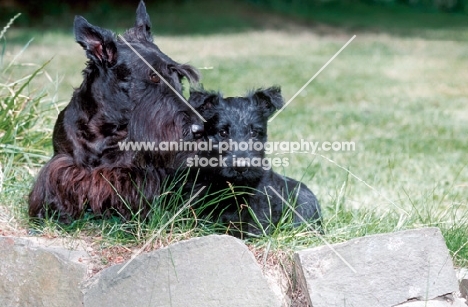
236 128
120 99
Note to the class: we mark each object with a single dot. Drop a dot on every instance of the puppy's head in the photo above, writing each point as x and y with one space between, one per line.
237 128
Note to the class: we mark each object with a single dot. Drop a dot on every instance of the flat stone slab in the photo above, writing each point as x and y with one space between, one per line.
34 275
462 275
210 271
445 301
390 269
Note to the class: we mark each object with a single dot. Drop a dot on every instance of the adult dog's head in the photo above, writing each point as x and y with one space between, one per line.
131 91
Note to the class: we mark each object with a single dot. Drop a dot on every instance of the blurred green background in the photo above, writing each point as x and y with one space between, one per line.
399 91
208 16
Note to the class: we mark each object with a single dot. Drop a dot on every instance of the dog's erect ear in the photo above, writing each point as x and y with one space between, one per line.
99 43
203 100
143 23
269 100
187 71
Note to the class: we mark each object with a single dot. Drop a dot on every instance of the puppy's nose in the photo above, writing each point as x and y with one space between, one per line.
241 165
242 169
197 131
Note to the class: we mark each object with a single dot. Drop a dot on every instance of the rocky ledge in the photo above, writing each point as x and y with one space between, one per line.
410 268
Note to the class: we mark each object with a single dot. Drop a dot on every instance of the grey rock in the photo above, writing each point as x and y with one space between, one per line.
462 275
445 301
211 271
390 269
33 275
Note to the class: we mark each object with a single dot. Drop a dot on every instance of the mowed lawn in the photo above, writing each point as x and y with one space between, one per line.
402 100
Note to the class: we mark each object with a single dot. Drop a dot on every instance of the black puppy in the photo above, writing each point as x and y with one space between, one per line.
121 99
236 129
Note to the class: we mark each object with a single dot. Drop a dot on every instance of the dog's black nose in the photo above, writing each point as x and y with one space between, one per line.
242 170
241 166
197 131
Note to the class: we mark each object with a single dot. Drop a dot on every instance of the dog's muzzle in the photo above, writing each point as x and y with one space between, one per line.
197 131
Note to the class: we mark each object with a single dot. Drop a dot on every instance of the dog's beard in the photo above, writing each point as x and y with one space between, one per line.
229 167
249 175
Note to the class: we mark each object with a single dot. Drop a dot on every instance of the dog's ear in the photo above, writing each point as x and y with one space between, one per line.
203 100
269 100
143 23
187 71
98 43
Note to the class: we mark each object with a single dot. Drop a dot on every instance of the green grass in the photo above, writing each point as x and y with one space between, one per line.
25 123
401 96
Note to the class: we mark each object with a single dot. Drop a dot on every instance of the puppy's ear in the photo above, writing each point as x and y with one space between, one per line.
98 43
269 100
187 71
143 23
203 101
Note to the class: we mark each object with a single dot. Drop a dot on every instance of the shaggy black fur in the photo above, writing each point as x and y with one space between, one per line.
120 99
244 119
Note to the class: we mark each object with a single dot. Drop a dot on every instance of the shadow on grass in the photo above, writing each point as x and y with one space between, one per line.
204 17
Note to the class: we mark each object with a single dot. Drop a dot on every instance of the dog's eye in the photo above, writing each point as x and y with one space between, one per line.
223 133
154 78
253 133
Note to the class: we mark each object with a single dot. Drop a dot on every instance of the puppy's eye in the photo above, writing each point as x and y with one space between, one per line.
223 133
154 78
253 133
